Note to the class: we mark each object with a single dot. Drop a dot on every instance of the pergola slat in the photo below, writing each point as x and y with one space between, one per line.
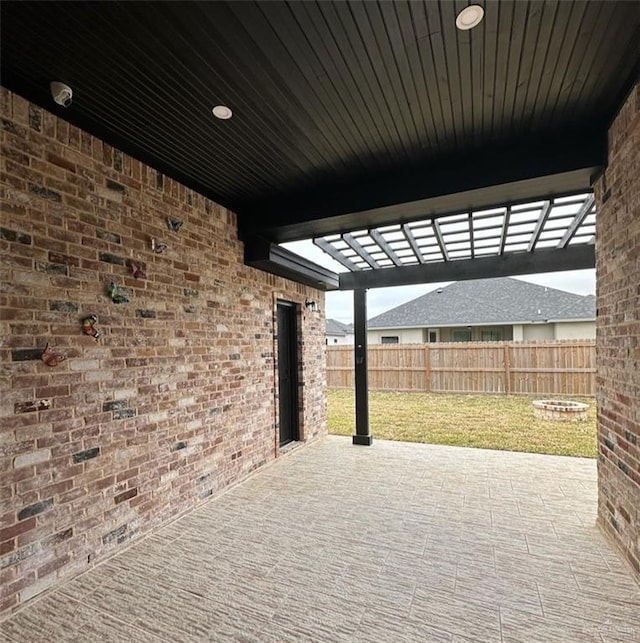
577 222
440 239
353 243
334 253
388 250
505 230
408 235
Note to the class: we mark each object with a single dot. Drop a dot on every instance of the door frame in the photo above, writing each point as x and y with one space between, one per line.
294 339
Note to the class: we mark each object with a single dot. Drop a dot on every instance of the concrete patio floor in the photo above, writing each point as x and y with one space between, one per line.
394 542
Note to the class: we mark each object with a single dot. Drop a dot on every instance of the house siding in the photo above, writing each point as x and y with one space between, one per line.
517 332
538 332
174 402
617 194
448 334
575 330
404 335
339 340
420 335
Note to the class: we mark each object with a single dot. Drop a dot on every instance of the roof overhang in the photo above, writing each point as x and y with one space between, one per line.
526 171
264 255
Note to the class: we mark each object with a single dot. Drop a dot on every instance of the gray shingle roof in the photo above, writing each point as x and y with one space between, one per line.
488 301
334 327
579 309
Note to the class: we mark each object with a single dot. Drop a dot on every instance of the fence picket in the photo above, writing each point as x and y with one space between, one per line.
564 367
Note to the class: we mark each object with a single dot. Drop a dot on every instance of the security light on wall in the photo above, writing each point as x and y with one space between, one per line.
311 305
61 93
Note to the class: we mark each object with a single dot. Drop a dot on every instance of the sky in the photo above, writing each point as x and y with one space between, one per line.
339 304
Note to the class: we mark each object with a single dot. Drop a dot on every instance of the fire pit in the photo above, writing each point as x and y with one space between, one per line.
560 410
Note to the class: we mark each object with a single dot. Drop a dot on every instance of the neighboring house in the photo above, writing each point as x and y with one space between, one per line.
338 333
487 310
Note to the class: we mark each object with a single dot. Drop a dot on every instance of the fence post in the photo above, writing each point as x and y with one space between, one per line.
427 369
507 369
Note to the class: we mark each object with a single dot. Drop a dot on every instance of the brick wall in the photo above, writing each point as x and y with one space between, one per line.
618 334
173 402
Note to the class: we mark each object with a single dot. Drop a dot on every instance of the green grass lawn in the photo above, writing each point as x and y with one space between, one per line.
483 421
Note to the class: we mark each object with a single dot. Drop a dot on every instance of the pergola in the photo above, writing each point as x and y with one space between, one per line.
557 233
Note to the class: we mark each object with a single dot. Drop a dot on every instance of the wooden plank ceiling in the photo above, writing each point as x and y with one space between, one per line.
345 114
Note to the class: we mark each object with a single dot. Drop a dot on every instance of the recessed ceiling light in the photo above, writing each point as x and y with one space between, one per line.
470 17
222 112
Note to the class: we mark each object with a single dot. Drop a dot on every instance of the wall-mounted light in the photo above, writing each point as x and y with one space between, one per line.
311 305
61 93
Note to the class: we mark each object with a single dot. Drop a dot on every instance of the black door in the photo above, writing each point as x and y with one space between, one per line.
288 372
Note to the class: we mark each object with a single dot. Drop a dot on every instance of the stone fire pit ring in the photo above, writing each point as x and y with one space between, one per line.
560 410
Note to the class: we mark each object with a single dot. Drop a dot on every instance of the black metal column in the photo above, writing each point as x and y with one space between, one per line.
362 435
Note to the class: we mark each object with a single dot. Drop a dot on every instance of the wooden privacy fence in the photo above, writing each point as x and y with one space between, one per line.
521 368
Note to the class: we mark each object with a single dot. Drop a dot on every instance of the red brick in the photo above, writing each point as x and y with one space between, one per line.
150 364
7 589
618 377
53 566
19 528
61 162
7 546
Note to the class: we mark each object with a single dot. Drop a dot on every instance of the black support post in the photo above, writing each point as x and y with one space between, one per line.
363 434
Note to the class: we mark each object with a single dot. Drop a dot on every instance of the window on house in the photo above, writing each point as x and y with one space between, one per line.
390 340
491 335
335 341
433 336
461 335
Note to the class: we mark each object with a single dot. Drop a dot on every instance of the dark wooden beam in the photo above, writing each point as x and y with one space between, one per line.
363 433
574 257
260 253
522 171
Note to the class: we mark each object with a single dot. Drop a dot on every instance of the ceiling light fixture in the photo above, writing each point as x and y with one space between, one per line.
470 17
222 112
